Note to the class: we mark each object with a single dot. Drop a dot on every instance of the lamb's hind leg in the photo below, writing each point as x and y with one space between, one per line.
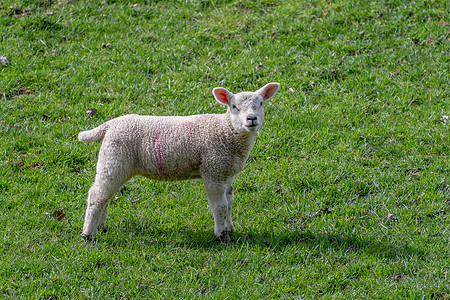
107 182
230 199
96 203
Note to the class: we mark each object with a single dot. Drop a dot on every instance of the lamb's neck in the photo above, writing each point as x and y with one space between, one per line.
246 140
240 143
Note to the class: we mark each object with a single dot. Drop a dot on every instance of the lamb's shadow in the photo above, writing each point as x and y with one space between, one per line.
312 240
275 241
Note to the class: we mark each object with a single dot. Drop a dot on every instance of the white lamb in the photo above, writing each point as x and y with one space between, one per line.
213 147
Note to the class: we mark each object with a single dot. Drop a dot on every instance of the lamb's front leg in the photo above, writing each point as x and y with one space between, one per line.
219 207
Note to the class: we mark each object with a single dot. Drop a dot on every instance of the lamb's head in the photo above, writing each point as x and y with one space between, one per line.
246 108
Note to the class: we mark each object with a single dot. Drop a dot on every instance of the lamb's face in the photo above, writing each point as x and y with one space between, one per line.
247 111
246 108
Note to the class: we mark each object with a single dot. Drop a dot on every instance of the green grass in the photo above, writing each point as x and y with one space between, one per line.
356 133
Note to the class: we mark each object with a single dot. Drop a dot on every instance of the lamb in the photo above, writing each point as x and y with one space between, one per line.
211 147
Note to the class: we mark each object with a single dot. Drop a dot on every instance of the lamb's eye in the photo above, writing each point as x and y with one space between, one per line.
260 104
234 107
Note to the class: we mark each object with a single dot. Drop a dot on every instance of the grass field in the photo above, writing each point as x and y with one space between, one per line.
346 193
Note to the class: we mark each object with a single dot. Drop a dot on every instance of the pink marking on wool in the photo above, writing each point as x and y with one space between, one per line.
188 126
157 151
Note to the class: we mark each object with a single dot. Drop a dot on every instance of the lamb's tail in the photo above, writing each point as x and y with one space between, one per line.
93 135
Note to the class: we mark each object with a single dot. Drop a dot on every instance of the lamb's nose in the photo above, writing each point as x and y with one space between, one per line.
253 120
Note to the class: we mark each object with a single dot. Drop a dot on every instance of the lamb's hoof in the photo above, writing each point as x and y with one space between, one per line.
87 238
225 237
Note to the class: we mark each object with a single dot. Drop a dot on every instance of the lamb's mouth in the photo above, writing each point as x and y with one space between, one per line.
251 126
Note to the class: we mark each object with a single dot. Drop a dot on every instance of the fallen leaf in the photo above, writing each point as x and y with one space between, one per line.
447 189
321 212
361 32
22 91
395 73
413 172
38 166
4 60
397 277
107 46
391 217
444 119
207 76
58 215
291 90
91 112
260 66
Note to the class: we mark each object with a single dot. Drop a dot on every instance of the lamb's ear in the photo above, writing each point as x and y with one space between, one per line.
222 95
269 90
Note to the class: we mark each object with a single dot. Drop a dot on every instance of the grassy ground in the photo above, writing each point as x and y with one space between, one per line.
346 193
